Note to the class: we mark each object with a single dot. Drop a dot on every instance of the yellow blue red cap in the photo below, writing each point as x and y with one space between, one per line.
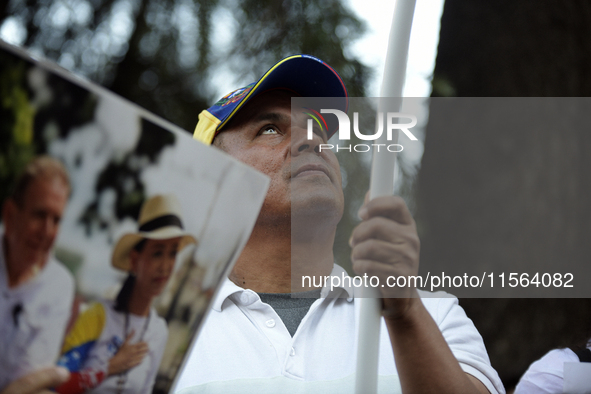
305 75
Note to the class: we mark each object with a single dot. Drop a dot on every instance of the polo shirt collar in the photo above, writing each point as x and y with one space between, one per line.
338 271
229 288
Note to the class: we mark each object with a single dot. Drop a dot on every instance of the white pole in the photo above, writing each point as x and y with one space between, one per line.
382 184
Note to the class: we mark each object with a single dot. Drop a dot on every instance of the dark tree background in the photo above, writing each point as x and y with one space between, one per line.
162 54
528 193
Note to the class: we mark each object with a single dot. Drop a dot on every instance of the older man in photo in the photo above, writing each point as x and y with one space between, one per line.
36 292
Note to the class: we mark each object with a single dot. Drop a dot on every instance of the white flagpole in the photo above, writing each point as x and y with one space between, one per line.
382 184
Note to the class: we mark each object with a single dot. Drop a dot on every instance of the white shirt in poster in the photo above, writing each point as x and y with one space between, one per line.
33 319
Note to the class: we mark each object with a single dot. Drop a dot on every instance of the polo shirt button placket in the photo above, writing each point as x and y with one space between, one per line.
270 323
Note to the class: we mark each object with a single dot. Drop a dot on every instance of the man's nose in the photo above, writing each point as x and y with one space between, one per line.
50 226
300 142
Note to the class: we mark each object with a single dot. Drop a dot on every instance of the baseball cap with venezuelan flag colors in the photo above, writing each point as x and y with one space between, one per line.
304 75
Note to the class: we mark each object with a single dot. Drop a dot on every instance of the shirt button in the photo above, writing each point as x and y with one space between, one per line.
292 353
270 323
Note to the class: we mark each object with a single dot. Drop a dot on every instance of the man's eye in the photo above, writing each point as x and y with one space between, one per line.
269 130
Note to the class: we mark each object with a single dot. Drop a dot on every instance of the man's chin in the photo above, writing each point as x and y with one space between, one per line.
311 207
316 197
36 255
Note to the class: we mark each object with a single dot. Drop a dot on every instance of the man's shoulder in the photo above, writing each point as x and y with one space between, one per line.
58 275
546 375
553 362
445 309
438 299
55 284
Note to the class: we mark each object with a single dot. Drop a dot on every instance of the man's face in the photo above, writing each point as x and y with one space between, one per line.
267 136
32 224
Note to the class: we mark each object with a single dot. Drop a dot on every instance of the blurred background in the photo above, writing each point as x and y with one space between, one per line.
467 191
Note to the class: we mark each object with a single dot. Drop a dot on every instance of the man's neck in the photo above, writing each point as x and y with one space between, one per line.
21 268
273 261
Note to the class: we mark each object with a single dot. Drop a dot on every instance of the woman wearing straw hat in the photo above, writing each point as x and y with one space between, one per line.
116 347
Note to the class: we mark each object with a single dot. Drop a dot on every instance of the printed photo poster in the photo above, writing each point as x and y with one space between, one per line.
133 177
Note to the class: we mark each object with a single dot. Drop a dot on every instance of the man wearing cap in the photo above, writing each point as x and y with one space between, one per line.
36 291
258 338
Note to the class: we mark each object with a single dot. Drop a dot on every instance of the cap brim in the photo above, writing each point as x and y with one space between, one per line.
304 75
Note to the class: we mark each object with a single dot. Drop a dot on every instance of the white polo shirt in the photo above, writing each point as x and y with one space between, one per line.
546 376
245 347
33 319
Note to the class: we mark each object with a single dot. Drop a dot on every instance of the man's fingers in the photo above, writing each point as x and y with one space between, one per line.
36 382
391 207
371 268
385 230
381 270
384 252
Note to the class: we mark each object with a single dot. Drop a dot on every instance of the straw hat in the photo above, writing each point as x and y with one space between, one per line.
160 218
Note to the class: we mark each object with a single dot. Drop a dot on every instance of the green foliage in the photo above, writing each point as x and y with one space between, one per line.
442 87
163 54
16 123
270 30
